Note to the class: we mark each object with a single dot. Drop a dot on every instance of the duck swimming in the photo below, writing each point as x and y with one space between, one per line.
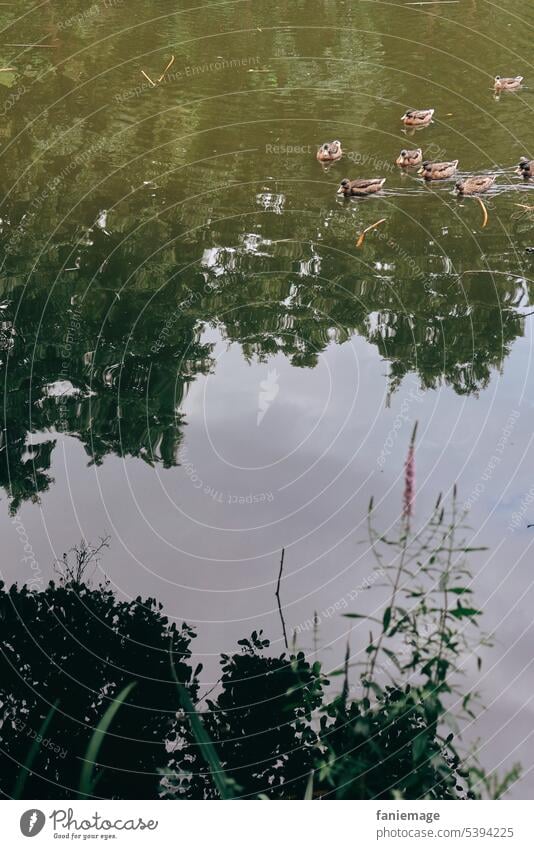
360 188
438 170
409 158
507 83
330 152
525 168
417 117
474 185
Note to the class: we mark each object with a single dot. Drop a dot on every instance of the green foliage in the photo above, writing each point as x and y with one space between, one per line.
274 727
78 647
261 724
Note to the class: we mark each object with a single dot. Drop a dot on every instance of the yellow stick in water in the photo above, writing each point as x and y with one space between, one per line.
148 78
484 211
361 237
166 69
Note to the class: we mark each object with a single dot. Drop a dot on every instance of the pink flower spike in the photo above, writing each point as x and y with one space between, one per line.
408 499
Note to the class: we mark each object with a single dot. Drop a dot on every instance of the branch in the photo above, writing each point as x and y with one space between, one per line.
277 594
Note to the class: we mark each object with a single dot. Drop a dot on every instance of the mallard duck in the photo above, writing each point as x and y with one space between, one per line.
359 188
330 152
438 170
525 168
409 158
474 185
417 117
507 83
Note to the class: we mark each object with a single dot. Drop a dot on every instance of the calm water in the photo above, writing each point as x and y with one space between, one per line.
196 358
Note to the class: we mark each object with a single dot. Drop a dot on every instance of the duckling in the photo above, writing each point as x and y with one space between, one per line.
507 83
359 188
438 170
330 152
474 185
409 158
525 168
417 117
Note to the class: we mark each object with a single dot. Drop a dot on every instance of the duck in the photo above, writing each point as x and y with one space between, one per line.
475 185
417 117
525 168
359 188
409 158
507 83
438 170
330 152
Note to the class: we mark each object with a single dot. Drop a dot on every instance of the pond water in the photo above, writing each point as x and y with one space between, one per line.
199 362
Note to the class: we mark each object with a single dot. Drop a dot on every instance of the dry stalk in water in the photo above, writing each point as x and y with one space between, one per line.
166 69
362 235
152 83
484 212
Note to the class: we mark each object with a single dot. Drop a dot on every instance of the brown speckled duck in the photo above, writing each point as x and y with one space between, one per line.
417 117
438 170
475 185
525 168
409 158
360 188
507 83
330 152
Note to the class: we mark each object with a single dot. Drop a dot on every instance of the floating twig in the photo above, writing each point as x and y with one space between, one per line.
7 69
484 212
362 235
166 69
152 83
277 594
52 46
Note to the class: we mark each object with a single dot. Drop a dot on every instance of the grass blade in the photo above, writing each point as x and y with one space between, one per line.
32 754
87 781
224 785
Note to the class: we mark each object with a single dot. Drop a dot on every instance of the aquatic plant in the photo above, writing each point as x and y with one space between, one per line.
273 726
